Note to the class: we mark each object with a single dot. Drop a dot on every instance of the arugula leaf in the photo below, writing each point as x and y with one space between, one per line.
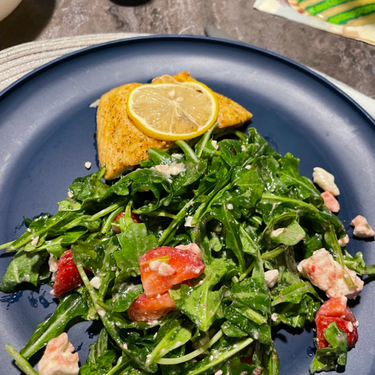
305 189
170 336
135 241
72 306
89 188
124 295
200 303
250 308
224 350
326 359
232 228
100 359
290 235
24 268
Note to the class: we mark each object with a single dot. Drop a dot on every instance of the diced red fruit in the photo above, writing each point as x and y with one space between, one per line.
331 202
67 275
336 310
248 359
146 309
119 216
164 267
135 217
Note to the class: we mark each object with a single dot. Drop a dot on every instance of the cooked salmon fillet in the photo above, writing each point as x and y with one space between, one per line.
230 112
122 146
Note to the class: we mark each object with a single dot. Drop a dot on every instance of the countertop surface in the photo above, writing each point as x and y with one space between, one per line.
349 61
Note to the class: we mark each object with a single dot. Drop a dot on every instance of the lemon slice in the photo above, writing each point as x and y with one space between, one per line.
173 111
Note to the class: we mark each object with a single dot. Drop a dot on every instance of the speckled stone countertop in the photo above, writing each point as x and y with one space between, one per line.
349 61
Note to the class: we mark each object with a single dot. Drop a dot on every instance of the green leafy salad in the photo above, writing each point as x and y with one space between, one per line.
249 212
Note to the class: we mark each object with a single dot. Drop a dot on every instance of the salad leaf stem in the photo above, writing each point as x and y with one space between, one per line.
268 196
203 141
6 245
21 362
265 256
222 357
160 213
105 211
188 151
119 367
195 353
108 223
176 222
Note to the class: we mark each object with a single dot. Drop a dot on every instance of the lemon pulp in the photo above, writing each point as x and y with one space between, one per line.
173 111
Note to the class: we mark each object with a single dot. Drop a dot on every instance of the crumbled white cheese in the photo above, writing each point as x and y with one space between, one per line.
350 327
362 228
88 165
154 265
177 156
248 167
192 247
215 145
325 180
274 317
230 206
170 170
344 241
70 194
275 233
35 241
244 148
166 270
100 311
220 372
59 358
96 282
52 264
188 221
125 346
271 277
328 275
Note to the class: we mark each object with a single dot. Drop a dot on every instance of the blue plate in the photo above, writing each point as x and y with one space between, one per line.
47 133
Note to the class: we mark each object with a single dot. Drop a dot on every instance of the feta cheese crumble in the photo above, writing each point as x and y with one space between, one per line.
362 228
96 282
271 277
170 170
328 275
58 358
188 221
325 180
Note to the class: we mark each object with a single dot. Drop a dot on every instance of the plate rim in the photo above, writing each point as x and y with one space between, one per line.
199 38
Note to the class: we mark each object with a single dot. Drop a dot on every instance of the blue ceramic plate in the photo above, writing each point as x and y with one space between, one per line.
47 133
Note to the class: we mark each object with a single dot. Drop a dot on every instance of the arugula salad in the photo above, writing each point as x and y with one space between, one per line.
251 216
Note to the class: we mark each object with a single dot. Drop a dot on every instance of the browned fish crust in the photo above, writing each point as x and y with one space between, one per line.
122 146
